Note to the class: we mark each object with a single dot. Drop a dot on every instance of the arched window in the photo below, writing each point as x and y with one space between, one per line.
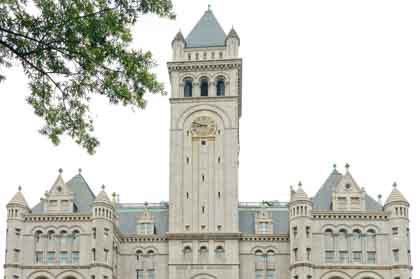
220 87
139 254
329 239
270 257
63 240
204 87
259 258
357 246
188 87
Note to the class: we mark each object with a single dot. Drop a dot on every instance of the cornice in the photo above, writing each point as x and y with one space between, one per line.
320 215
205 100
204 236
50 217
268 237
142 238
205 65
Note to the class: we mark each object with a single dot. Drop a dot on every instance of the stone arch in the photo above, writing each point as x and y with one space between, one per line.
203 276
367 275
40 275
335 274
326 227
38 228
220 113
264 249
70 275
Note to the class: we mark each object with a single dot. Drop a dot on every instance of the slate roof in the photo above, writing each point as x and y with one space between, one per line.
323 199
128 219
280 220
207 32
83 195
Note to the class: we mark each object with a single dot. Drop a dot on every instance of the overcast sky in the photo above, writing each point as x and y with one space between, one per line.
324 82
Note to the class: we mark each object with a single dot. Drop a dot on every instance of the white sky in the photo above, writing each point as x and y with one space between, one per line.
323 82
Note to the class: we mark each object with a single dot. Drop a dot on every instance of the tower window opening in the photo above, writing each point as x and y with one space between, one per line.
218 195
204 87
196 56
202 177
189 56
220 55
220 87
212 55
188 195
219 160
203 208
188 88
203 142
188 160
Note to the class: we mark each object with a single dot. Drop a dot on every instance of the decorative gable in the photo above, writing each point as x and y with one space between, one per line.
263 221
59 198
348 195
146 222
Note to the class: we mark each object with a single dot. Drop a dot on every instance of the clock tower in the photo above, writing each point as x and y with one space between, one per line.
205 75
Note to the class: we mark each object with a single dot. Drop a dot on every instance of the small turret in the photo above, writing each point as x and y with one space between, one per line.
178 45
232 43
300 211
16 210
103 212
17 205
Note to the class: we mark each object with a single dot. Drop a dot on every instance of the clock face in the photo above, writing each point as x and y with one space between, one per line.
203 126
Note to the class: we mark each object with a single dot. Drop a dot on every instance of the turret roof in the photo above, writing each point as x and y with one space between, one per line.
207 32
19 199
396 196
103 197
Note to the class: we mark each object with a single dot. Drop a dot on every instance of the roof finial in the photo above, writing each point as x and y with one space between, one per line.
103 187
20 188
80 170
380 198
209 7
146 204
335 166
347 166
60 170
394 184
300 184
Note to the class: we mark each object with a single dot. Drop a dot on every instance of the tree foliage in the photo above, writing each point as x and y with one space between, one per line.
72 50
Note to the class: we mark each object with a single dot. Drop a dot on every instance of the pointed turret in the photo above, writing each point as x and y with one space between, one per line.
18 199
102 197
179 37
233 35
300 194
206 33
395 196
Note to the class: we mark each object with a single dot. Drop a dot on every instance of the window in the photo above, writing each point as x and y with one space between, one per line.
18 232
263 228
270 257
51 243
295 232
76 239
204 87
295 254
106 232
357 257
39 257
187 250
188 86
63 239
344 256
329 256
259 257
395 231
16 255
94 255
258 274
64 257
150 274
329 240
140 274
50 257
308 254
75 257
270 274
94 233
308 232
146 228
219 250
220 87
106 252
371 257
38 237
396 254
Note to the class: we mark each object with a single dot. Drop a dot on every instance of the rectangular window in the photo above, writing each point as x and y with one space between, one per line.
270 274
357 257
263 228
259 274
140 274
16 255
344 256
355 201
308 254
93 255
308 232
18 232
94 233
50 257
150 274
371 257
64 257
106 251
75 257
395 231
295 252
39 257
396 254
329 256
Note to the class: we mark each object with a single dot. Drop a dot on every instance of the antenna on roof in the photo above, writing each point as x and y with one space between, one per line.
209 7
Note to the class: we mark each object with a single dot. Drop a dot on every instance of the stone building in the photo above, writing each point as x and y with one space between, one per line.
204 232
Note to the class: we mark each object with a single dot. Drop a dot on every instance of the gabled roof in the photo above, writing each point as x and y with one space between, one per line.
323 199
207 32
83 195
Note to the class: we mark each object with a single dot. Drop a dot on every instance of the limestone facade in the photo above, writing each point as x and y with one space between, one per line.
204 232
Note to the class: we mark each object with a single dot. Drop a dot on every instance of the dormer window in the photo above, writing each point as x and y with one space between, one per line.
145 228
